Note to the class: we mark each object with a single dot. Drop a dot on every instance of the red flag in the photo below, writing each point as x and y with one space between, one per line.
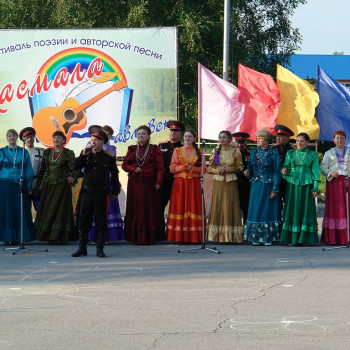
218 105
261 98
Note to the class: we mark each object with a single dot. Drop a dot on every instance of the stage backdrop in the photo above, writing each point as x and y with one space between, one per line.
70 79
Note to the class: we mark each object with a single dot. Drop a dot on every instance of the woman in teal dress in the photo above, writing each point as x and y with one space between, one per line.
54 220
302 172
264 211
11 158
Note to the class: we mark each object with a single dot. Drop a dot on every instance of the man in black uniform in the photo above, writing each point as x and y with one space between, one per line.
94 193
243 182
167 150
283 146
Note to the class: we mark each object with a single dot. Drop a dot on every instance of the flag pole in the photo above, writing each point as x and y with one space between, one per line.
226 45
199 103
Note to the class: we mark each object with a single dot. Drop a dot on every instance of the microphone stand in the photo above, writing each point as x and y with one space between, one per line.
21 189
347 215
203 246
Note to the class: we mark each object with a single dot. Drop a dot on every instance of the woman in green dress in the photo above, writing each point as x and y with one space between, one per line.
302 172
54 220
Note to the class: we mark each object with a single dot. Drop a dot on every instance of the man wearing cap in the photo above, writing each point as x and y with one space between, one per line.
27 135
94 193
283 134
243 182
167 150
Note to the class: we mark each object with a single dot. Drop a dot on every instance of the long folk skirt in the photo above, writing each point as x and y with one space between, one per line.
264 215
334 226
225 223
185 211
299 216
144 219
10 214
54 219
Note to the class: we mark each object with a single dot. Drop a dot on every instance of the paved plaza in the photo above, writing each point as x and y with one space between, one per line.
152 297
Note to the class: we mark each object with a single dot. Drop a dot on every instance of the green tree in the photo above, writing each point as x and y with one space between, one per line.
261 31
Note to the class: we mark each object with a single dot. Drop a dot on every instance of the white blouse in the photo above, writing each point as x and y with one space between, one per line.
330 163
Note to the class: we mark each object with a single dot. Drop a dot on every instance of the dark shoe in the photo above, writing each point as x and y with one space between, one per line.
99 252
81 251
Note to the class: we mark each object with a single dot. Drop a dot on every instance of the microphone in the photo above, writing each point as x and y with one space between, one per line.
204 142
89 149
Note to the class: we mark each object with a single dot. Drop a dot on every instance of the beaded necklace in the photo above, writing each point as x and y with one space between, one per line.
261 156
193 152
141 161
54 158
300 160
13 157
340 157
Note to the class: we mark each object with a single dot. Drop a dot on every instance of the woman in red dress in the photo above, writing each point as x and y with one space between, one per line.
185 210
144 219
335 166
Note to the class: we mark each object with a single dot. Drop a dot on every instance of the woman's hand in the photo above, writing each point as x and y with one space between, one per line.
223 171
334 174
284 171
137 170
157 187
246 173
314 194
30 192
189 168
273 195
70 179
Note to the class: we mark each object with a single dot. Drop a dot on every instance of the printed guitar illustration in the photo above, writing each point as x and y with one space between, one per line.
70 116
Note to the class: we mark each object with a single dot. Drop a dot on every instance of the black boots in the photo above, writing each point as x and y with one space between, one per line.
100 239
99 251
81 251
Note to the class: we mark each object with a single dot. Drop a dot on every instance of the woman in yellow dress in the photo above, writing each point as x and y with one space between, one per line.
225 223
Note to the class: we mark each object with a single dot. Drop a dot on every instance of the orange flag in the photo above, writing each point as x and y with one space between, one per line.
261 97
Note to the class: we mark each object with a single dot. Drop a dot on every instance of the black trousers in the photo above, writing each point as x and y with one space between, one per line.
93 204
244 194
166 190
283 187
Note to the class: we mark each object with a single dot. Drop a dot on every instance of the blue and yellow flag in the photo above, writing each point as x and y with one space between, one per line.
298 103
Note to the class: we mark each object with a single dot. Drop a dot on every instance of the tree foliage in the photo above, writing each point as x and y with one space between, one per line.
260 31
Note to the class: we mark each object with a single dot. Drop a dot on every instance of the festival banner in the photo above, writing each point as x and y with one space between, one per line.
333 111
298 103
68 80
218 105
260 95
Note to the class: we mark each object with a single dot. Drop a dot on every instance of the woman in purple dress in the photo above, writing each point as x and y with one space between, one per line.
115 230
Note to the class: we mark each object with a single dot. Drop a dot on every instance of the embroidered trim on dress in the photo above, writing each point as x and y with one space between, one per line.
334 224
186 215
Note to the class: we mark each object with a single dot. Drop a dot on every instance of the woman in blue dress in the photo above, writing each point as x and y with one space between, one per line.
264 212
10 205
115 231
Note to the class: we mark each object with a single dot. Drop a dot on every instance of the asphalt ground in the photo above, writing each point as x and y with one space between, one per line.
152 297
